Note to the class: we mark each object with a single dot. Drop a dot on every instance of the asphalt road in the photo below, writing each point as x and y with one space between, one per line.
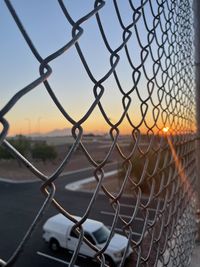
19 204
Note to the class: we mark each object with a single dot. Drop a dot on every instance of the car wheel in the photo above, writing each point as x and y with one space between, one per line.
54 245
109 261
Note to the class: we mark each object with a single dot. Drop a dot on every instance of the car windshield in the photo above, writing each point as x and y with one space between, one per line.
101 235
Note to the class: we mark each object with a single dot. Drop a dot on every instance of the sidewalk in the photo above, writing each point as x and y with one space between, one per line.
195 261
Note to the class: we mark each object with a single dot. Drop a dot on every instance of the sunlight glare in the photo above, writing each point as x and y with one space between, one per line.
165 129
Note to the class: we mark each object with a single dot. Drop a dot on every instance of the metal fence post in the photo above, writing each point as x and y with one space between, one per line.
196 8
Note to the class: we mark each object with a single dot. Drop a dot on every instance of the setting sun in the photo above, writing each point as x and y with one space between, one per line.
165 129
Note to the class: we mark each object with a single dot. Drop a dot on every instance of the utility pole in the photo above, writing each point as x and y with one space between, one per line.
29 126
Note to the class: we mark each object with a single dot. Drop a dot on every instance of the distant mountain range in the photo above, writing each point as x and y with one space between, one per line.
60 133
54 133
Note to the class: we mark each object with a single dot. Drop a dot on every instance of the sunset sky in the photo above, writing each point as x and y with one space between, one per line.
49 30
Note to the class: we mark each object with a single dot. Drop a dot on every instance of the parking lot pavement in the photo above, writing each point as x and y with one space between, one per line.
126 212
53 258
36 252
63 259
45 257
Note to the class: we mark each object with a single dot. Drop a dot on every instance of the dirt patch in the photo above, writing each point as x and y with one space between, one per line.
13 170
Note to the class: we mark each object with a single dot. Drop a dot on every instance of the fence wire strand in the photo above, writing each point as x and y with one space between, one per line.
159 169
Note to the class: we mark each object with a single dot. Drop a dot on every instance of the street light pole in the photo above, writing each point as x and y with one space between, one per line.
39 120
29 125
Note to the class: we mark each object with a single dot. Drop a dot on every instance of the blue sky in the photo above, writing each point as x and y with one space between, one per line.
49 30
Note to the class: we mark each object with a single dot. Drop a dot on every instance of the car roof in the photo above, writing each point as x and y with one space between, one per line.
89 225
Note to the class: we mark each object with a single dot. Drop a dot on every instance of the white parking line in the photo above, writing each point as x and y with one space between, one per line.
127 205
133 206
121 231
137 234
122 215
53 258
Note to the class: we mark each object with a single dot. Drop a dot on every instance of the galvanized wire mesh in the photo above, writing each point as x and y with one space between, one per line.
158 105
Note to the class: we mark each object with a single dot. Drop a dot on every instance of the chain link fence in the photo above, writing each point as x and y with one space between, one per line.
148 46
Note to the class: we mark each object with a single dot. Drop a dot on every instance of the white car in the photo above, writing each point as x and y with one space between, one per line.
57 230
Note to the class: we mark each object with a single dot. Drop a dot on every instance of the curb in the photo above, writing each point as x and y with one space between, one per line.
75 186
